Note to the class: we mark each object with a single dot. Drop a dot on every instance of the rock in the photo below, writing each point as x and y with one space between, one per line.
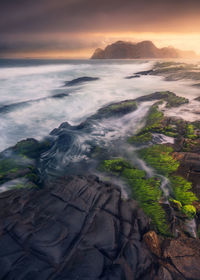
99 53
198 98
184 254
144 49
153 243
60 95
171 98
132 77
74 228
80 81
174 71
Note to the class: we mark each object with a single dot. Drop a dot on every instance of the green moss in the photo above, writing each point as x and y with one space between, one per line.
176 201
141 138
191 145
182 190
154 123
159 157
115 166
189 211
25 185
123 105
175 101
8 165
154 116
31 148
145 190
190 131
118 109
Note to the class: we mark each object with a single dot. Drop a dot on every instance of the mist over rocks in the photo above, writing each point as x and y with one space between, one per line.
144 49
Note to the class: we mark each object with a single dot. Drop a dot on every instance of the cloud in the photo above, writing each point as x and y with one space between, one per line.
37 25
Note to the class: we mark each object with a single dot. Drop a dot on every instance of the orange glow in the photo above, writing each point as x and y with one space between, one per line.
88 42
75 54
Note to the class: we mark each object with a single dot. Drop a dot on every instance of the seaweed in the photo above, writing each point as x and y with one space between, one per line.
160 158
145 190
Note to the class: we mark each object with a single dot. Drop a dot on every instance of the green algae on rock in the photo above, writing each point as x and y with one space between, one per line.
143 138
189 211
31 147
120 108
160 158
182 190
145 190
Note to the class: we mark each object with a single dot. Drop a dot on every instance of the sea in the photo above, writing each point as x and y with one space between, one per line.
34 98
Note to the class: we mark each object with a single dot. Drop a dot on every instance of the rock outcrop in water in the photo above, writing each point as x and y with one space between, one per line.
174 71
80 80
145 49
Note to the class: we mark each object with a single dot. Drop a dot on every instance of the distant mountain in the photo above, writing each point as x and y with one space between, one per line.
144 49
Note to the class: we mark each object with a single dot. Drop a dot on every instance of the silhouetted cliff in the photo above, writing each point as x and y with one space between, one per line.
144 49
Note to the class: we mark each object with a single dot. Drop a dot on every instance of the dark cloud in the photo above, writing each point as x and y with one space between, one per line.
27 17
81 15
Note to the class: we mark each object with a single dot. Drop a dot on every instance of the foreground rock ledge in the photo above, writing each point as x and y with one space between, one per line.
80 228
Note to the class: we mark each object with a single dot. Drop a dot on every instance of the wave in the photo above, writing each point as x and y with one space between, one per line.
33 99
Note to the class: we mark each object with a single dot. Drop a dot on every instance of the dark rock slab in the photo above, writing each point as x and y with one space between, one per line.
80 228
132 77
145 73
80 81
71 230
20 105
59 95
198 98
196 85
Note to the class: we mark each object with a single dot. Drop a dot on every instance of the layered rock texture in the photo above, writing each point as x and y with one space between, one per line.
80 228
75 228
144 49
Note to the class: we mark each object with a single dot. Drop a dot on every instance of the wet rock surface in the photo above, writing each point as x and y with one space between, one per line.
80 228
74 228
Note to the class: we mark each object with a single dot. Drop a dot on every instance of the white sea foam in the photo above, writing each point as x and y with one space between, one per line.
19 84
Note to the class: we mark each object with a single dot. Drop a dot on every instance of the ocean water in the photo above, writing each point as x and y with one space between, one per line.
30 85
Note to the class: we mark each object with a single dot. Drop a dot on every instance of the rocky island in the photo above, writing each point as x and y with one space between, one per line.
141 50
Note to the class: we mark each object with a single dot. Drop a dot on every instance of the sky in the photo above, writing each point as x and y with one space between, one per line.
74 28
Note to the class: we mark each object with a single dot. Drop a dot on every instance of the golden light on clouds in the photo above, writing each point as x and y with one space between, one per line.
82 45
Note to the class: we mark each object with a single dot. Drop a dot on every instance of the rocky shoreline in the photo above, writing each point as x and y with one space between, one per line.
58 226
